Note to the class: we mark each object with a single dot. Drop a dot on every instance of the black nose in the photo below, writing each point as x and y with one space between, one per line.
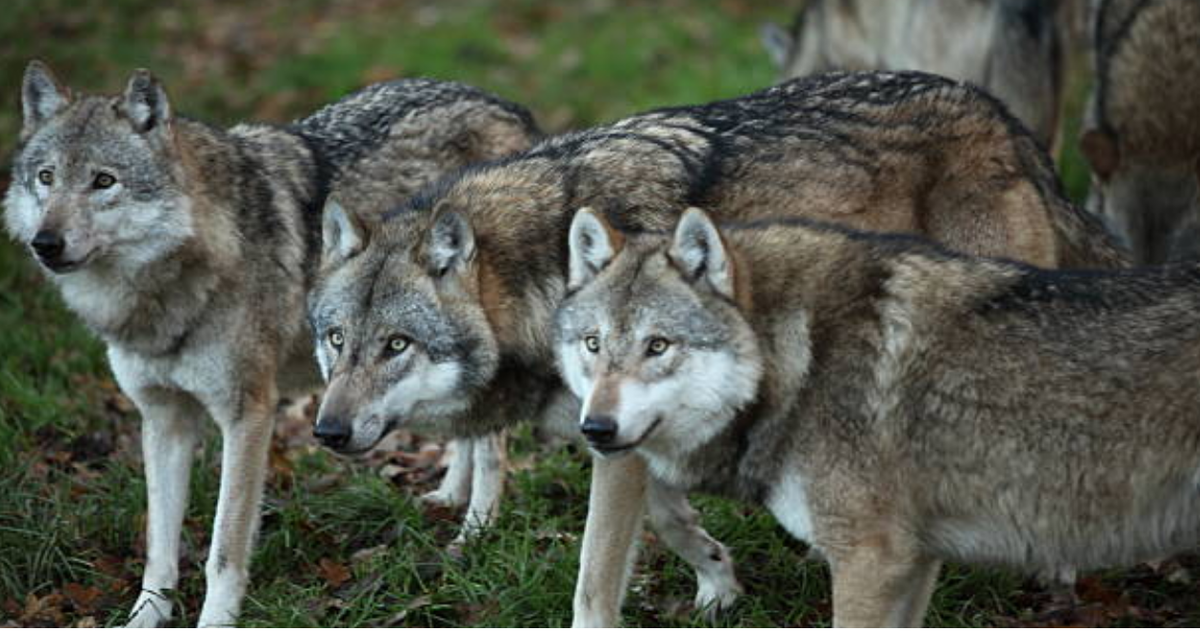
334 433
48 245
599 430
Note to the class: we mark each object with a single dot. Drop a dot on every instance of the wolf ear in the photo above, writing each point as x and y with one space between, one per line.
777 41
592 243
1099 147
145 102
699 252
42 96
451 243
343 234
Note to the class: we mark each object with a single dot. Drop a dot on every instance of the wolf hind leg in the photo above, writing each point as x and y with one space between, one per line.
455 488
678 524
169 437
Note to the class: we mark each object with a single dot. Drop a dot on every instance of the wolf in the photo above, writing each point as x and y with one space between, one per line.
189 250
439 317
892 402
1141 135
1012 48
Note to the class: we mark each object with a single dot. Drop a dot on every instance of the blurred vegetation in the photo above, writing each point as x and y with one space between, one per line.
342 544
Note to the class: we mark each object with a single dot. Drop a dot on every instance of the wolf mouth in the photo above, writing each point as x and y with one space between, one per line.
65 267
617 450
354 453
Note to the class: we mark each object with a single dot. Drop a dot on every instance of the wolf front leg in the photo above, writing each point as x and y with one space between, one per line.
246 440
488 470
169 435
455 488
615 507
678 524
881 582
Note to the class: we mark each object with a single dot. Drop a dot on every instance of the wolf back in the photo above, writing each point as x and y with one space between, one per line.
1010 47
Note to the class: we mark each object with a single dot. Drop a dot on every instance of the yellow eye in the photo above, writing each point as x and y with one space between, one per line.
46 177
592 343
103 180
397 345
657 346
336 339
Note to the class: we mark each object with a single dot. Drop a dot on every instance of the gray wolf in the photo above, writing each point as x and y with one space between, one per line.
1141 136
189 250
891 402
1012 48
439 317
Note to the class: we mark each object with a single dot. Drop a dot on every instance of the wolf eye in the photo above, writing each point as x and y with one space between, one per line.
592 343
336 339
46 177
397 344
657 346
103 180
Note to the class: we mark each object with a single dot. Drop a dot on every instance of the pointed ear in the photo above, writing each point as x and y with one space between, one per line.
42 96
1099 147
451 243
145 102
777 41
343 234
700 253
592 244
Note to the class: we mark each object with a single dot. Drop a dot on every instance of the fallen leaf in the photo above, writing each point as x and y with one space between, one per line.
82 597
333 572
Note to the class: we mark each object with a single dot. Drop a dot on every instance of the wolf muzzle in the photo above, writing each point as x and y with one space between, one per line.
333 432
49 246
599 430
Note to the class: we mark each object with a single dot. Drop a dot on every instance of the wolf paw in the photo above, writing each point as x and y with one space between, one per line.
446 498
717 594
152 610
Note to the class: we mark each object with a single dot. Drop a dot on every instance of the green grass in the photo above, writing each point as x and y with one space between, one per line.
71 490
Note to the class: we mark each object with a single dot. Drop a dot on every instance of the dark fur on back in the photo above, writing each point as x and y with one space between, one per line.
852 122
351 128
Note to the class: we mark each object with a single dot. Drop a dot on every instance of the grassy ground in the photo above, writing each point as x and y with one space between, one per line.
347 544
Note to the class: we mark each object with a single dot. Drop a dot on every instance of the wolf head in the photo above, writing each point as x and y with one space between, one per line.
95 179
401 338
652 336
1153 206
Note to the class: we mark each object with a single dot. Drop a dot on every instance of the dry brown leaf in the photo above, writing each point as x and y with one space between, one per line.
333 572
82 597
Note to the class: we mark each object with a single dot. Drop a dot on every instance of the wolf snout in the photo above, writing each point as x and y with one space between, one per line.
599 430
49 246
333 432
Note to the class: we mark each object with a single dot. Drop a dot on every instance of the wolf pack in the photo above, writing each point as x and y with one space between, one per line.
859 298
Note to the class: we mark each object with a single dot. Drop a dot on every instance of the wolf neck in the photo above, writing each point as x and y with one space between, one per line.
811 288
521 226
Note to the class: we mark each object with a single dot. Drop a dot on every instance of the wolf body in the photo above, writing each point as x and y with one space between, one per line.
189 250
891 402
1012 48
440 317
1141 136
